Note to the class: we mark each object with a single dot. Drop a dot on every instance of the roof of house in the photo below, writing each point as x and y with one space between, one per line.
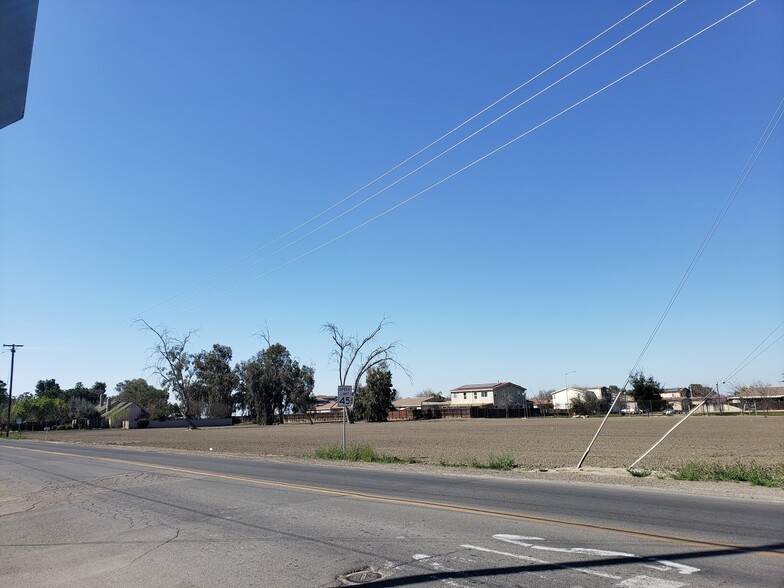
484 387
105 409
412 402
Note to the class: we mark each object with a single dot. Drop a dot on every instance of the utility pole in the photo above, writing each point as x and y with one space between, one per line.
13 347
718 398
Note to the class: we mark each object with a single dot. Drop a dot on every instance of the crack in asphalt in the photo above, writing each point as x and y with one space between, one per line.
149 551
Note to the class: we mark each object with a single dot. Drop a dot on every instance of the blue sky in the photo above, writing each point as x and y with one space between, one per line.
165 141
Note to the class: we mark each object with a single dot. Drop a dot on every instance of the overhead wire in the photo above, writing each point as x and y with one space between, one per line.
482 158
746 361
438 156
750 162
401 163
741 179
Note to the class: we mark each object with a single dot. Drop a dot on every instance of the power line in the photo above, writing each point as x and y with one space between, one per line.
758 148
746 361
761 143
401 163
480 159
428 162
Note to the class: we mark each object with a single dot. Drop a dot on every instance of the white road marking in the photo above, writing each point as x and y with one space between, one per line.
668 565
511 538
516 540
648 582
541 561
682 568
421 556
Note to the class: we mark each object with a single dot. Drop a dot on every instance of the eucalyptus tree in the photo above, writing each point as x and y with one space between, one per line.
171 362
215 380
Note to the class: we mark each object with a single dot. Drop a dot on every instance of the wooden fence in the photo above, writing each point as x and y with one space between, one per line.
412 414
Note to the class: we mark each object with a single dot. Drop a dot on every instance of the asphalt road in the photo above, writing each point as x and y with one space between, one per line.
91 516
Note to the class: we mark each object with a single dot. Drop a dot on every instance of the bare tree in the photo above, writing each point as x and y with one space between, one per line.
762 393
354 357
174 366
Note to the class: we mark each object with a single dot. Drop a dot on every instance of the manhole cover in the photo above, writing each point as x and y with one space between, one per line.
363 577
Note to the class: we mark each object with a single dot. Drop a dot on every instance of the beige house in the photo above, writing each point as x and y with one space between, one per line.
497 395
327 404
416 402
677 398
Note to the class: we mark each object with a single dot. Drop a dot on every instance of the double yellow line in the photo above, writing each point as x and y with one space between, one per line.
422 503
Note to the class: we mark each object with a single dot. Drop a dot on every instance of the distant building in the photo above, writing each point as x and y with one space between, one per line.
562 399
497 395
326 404
416 402
114 414
677 399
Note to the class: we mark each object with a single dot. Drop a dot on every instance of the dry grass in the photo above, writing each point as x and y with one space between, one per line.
531 443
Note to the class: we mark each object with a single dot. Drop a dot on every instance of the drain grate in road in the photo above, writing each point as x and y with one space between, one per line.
363 577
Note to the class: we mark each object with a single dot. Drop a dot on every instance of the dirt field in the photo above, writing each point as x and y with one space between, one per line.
534 443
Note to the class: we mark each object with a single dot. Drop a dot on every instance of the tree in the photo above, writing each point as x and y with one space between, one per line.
79 391
374 400
272 383
262 381
47 389
82 411
41 410
215 380
646 392
174 366
585 405
428 393
301 397
544 398
150 398
3 406
762 393
355 357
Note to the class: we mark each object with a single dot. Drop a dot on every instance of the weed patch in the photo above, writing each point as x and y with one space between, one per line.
640 473
503 463
756 475
357 453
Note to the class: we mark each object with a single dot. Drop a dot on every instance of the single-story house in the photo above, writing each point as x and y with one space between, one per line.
327 404
759 395
112 413
497 395
417 402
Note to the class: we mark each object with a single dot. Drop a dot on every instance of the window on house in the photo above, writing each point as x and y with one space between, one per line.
484 394
474 395
464 395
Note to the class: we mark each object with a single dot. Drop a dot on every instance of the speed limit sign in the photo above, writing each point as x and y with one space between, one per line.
344 396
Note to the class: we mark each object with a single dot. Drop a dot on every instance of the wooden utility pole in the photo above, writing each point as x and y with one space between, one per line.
13 347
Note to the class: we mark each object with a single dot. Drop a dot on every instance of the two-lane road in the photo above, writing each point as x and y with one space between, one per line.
88 515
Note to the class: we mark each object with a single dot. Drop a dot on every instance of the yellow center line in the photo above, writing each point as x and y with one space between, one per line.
422 503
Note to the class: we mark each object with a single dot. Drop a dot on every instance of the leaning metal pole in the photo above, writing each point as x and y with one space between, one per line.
609 411
639 459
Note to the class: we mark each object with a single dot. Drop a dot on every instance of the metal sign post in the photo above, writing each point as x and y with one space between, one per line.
345 398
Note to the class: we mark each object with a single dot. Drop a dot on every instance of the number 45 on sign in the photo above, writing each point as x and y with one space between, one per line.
345 396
